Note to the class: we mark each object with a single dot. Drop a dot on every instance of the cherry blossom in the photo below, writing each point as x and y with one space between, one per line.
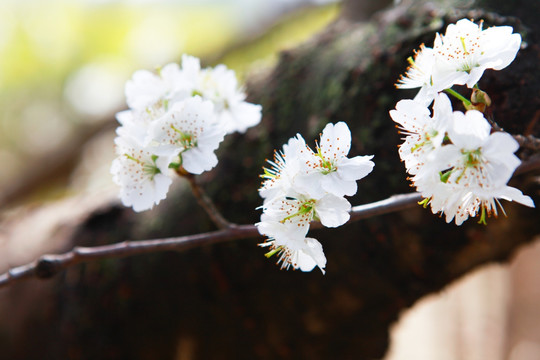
473 171
459 57
302 254
424 133
285 221
465 51
189 131
302 186
154 92
141 175
220 86
329 170
280 177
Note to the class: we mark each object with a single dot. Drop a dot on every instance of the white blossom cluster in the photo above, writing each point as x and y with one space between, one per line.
303 185
456 161
459 57
176 119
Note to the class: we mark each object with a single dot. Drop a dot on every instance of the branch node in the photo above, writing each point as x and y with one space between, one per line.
46 268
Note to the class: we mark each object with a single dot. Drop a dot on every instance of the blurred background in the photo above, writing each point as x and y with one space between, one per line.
64 63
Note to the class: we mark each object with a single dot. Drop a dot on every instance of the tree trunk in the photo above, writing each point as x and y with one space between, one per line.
228 300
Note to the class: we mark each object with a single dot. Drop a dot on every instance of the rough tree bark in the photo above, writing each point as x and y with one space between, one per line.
228 300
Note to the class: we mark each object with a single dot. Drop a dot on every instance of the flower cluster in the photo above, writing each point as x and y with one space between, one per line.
303 185
459 57
176 119
456 161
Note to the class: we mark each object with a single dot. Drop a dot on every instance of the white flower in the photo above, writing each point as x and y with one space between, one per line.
419 71
302 254
220 86
134 124
141 175
459 57
420 75
296 212
423 133
286 222
280 177
302 186
332 211
147 91
329 170
149 96
473 170
465 51
188 130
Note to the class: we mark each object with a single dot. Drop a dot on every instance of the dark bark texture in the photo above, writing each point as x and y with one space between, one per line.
228 300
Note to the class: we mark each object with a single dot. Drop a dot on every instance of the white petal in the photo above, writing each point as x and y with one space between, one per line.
333 211
469 131
474 76
512 194
444 157
311 255
210 138
501 46
500 143
425 95
335 140
355 168
335 185
143 89
310 184
196 161
411 115
243 116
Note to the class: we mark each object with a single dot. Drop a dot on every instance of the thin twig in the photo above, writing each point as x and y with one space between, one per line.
206 203
528 142
49 265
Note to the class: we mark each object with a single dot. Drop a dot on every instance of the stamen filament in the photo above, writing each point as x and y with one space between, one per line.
273 252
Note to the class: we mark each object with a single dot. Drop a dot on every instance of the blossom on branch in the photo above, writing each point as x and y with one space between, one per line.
280 178
141 175
423 133
176 119
465 51
220 86
473 170
287 221
329 170
456 163
153 92
188 132
459 166
302 254
459 57
303 186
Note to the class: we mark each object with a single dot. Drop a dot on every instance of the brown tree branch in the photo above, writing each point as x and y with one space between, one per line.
206 203
49 265
528 142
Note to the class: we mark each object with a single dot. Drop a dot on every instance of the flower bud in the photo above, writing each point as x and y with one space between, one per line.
479 100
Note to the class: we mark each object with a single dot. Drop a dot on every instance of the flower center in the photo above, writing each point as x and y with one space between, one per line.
149 169
327 166
428 136
188 141
305 210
